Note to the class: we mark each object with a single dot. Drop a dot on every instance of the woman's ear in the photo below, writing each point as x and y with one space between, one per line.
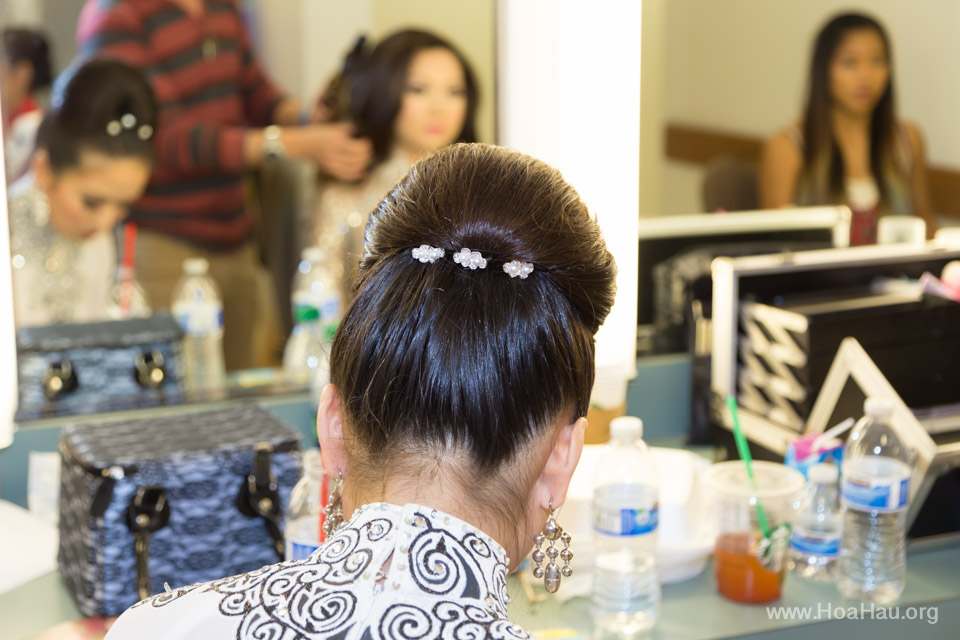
333 450
41 169
554 479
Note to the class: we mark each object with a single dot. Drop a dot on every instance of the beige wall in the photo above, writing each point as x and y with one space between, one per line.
301 43
653 44
740 66
468 25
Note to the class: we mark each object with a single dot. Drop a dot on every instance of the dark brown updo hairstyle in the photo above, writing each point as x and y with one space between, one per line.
438 357
87 97
27 45
373 83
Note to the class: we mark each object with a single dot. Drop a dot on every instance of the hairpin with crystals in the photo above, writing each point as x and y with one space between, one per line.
516 268
473 260
470 259
129 121
425 253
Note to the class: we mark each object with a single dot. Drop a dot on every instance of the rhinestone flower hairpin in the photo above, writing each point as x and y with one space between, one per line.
129 121
516 268
469 259
425 253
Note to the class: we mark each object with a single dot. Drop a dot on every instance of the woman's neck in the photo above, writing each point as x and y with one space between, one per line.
442 489
847 123
413 156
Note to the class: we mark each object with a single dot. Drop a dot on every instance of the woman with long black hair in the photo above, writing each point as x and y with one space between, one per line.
849 147
411 94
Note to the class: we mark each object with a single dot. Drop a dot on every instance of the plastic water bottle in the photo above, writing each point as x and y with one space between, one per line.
815 543
626 584
127 298
875 490
317 310
302 534
198 308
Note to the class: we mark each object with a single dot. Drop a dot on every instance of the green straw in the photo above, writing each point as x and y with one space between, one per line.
744 449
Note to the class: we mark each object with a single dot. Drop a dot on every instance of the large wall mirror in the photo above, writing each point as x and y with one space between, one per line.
301 45
717 79
721 78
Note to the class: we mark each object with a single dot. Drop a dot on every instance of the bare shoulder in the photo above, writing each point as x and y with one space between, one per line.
781 149
914 136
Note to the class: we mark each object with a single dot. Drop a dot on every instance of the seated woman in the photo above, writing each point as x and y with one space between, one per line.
411 95
25 70
849 147
461 375
93 159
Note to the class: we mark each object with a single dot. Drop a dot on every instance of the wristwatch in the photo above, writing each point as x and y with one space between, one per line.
273 148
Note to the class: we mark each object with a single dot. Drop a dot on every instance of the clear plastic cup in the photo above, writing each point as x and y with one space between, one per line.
750 568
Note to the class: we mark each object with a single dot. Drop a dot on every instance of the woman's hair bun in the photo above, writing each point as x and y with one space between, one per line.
439 354
86 98
506 205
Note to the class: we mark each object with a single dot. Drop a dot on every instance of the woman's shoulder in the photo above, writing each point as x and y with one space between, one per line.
784 147
912 134
789 137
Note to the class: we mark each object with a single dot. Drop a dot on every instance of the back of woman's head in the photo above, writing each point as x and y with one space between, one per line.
435 357
99 105
377 80
26 45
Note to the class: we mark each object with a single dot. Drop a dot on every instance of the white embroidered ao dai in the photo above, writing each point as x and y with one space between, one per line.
443 579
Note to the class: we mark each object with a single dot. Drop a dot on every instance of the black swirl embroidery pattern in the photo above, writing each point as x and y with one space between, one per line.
315 597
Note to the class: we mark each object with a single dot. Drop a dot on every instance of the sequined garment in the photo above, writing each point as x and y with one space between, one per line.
445 579
55 279
343 209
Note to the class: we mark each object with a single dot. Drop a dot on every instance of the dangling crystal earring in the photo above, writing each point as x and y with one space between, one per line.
333 512
551 575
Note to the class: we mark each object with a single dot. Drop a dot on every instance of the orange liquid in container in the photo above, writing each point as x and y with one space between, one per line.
740 576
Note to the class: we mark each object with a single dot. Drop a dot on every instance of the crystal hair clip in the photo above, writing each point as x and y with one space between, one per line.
425 253
470 259
129 121
516 268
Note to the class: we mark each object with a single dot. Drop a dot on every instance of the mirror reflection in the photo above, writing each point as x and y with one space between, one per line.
220 169
848 106
728 77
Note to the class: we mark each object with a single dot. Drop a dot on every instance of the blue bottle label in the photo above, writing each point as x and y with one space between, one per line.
875 484
825 548
625 522
299 550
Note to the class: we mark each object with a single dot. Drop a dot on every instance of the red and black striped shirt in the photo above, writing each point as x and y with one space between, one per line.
210 89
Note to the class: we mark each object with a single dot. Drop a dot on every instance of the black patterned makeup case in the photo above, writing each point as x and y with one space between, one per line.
171 501
70 369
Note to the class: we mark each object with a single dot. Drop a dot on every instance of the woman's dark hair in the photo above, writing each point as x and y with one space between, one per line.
822 179
376 80
26 45
87 98
436 356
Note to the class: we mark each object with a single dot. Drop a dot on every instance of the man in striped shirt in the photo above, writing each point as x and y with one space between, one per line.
216 108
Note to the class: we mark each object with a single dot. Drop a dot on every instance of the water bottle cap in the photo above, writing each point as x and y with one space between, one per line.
626 428
196 266
312 461
314 254
823 473
877 407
